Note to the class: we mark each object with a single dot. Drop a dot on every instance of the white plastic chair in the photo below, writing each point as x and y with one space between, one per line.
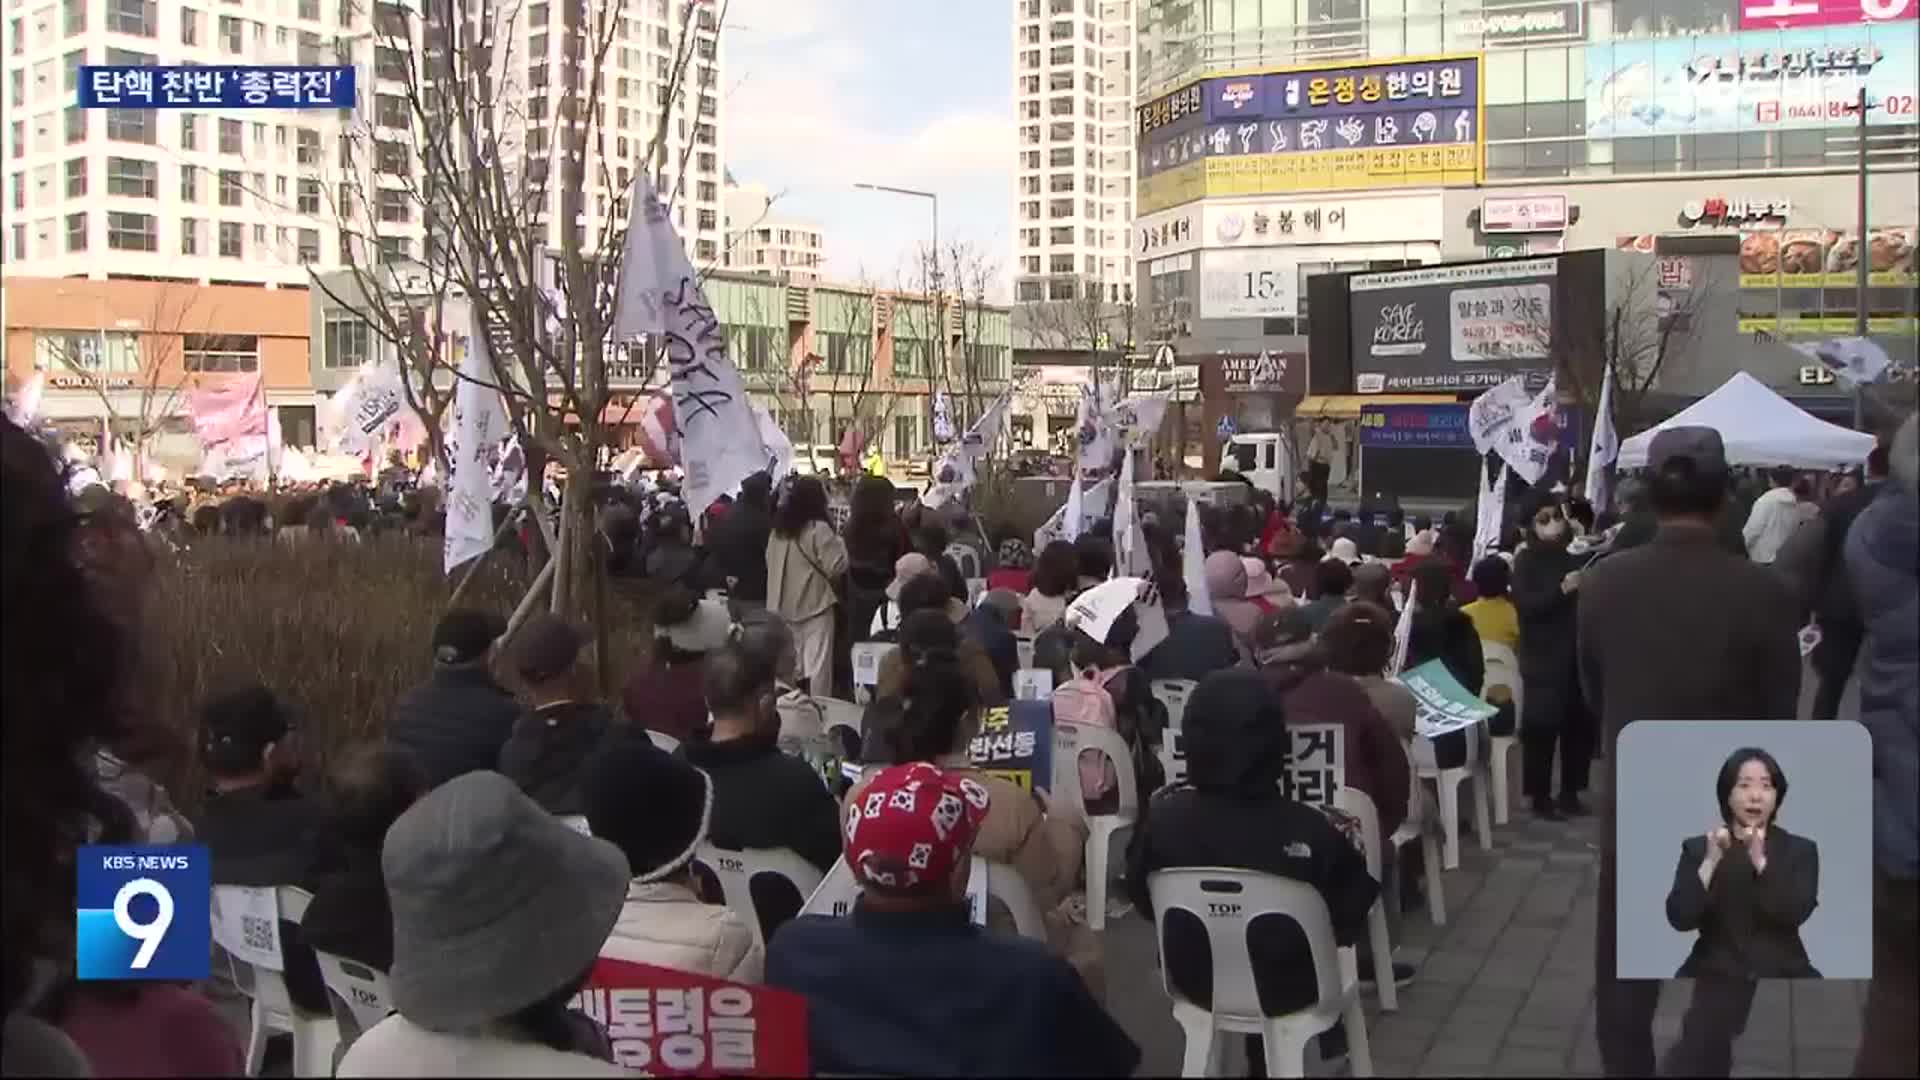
866 667
1032 684
360 995
272 1010
1023 644
663 740
846 714
1446 783
967 559
976 588
1226 903
838 890
1102 829
735 870
1173 693
1173 756
1503 669
1361 806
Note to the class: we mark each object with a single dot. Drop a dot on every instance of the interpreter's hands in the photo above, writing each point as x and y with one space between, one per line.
1755 840
1719 842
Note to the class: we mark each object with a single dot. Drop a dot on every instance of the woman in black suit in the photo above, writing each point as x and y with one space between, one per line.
1746 887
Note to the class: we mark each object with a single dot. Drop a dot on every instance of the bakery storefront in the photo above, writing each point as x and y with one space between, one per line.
1781 251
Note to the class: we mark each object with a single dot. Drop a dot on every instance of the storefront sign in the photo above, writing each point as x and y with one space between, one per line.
1415 425
1252 283
1816 375
1759 81
1361 219
1165 233
1181 382
89 382
1517 24
1178 109
1376 125
1524 214
1521 247
1781 14
1718 211
1674 272
1266 372
1817 258
1451 327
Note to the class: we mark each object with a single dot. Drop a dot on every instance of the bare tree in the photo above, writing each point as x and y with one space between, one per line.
497 141
1101 329
845 370
140 402
1643 332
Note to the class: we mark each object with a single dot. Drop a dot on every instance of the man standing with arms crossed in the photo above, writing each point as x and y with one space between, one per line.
1678 629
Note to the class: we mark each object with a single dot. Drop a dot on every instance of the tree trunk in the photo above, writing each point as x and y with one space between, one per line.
573 581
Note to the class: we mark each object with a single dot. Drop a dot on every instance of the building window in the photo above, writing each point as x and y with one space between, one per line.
75 12
843 352
132 232
232 240
308 249
390 110
309 197
349 341
390 63
139 18
133 178
189 27
306 146
394 207
232 35
19 241
220 352
189 183
230 188
76 121
189 131
392 158
114 352
904 430
909 356
230 137
189 236
76 177
76 232
394 249
752 348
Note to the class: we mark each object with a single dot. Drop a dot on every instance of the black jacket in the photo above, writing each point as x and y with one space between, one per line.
454 723
1447 635
268 837
549 751
1196 646
1549 621
350 915
763 798
1230 813
986 625
1749 923
737 550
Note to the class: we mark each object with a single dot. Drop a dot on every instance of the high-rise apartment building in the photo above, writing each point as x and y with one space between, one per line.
1073 77
760 240
253 196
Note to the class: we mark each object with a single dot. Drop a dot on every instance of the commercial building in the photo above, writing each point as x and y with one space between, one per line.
760 240
130 353
1073 104
252 196
1277 142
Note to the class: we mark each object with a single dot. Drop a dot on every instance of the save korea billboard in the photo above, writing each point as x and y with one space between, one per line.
1451 328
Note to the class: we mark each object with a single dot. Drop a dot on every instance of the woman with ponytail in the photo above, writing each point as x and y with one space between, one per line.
932 717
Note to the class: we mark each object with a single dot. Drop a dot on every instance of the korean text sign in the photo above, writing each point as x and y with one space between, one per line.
1464 327
1757 80
1444 705
1316 763
143 912
679 1023
1414 425
1016 744
1769 14
119 86
1374 125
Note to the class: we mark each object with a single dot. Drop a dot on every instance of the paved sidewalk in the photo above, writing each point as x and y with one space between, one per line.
1506 987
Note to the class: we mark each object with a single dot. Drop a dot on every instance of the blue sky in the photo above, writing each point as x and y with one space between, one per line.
822 94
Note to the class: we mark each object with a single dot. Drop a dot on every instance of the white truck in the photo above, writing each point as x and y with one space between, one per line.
1265 458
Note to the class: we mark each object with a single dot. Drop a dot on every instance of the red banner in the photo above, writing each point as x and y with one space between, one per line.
227 407
680 1023
1780 14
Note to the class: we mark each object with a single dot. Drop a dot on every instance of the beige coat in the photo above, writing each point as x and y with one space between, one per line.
1047 850
801 572
665 924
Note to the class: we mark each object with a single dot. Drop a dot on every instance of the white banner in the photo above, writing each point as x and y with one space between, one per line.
362 409
660 296
779 447
1493 412
1501 322
1090 503
478 424
954 473
1249 283
1492 512
1605 448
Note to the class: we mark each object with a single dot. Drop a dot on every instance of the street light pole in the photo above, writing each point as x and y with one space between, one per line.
1860 257
939 306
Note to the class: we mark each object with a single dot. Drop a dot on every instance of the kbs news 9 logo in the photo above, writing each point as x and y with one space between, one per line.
143 912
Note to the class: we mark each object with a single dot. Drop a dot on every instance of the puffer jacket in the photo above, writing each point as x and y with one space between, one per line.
1883 563
664 923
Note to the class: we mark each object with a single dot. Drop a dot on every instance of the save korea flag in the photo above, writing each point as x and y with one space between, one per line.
667 1022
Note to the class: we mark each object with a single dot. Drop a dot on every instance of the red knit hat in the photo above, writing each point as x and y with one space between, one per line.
912 827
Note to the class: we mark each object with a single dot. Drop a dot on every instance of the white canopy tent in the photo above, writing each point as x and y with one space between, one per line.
1760 427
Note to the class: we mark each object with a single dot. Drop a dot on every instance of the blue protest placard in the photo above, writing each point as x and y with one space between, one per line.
1016 744
125 86
143 912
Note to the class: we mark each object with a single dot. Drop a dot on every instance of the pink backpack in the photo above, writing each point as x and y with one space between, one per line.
1084 700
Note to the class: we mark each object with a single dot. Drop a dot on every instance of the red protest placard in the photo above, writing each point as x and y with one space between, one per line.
680 1023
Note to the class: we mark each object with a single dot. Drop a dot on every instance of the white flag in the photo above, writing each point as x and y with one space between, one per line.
1493 504
660 297
1605 448
479 422
1130 551
1492 414
1403 630
509 478
362 409
1855 361
956 470
1193 561
1076 502
1509 428
1055 527
779 447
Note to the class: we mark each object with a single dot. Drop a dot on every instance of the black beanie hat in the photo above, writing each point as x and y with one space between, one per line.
463 635
649 804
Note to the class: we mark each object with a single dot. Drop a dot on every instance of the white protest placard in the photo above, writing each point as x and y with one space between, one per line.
1443 705
1317 765
246 923
1032 684
867 656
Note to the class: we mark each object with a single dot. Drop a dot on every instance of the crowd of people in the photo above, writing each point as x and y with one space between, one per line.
507 827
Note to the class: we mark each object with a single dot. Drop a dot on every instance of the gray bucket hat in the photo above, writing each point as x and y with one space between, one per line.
496 903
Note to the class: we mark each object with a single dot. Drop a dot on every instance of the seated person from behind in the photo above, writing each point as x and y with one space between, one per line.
666 694
457 721
929 592
260 831
1748 885
976 1002
552 741
367 791
655 807
1232 813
